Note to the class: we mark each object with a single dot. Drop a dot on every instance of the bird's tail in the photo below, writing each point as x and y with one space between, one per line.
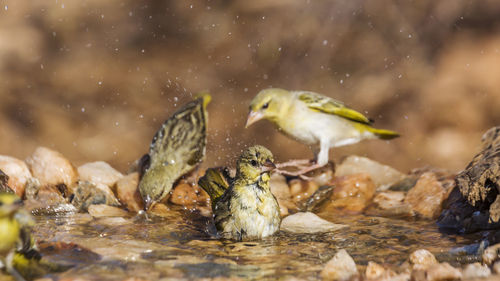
384 134
215 182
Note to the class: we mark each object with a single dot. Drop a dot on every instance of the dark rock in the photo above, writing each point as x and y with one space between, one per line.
474 203
4 187
87 193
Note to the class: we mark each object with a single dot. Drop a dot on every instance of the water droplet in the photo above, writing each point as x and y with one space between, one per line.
6 7
62 6
83 109
117 123
341 81
99 83
190 6
400 76
325 42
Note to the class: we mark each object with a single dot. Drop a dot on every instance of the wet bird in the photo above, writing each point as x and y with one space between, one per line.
177 148
18 253
243 206
313 119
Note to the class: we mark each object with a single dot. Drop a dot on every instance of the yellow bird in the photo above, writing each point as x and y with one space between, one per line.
313 119
244 207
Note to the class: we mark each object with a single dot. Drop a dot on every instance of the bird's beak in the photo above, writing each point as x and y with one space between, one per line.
253 116
268 166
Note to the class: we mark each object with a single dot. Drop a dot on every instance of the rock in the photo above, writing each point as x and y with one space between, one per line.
383 176
4 186
474 203
99 173
42 196
187 195
301 190
496 267
318 199
422 259
391 204
436 272
340 267
374 270
281 190
87 193
351 193
476 270
491 254
102 210
427 196
51 167
323 175
17 172
128 193
308 223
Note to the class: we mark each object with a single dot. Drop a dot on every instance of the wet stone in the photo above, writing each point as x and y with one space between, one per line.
476 270
128 193
351 193
422 259
491 254
301 190
4 187
308 223
427 196
281 190
87 193
99 172
188 195
390 204
17 172
102 210
383 176
340 267
437 272
51 167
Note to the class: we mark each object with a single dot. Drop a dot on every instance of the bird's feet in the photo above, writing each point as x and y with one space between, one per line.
303 167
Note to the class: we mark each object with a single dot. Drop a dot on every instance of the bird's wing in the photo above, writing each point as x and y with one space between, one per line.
328 105
182 138
215 182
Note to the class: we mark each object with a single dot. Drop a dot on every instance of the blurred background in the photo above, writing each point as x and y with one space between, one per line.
95 79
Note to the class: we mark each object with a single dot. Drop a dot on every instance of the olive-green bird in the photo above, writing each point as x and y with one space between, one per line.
177 148
313 119
244 207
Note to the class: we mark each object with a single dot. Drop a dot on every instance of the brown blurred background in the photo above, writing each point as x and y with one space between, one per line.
95 79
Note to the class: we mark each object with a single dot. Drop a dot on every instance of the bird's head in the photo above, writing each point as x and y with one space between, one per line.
9 204
268 104
255 162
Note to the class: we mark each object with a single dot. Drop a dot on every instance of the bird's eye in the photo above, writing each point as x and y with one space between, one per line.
266 105
254 163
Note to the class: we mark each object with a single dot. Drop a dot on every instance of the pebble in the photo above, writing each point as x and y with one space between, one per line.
427 196
17 171
382 175
437 272
374 270
496 267
103 210
476 270
340 267
491 254
422 259
188 195
281 190
128 193
87 193
99 172
301 190
51 167
390 204
351 193
306 222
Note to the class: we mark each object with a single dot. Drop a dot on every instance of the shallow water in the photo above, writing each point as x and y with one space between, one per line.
179 245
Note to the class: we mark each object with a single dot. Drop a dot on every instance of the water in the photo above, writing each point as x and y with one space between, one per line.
181 244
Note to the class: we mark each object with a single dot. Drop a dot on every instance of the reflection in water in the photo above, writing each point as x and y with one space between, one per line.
182 244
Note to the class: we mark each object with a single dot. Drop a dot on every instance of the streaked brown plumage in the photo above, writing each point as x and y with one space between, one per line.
177 148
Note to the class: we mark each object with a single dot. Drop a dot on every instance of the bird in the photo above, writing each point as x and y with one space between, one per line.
313 119
17 247
244 207
177 148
